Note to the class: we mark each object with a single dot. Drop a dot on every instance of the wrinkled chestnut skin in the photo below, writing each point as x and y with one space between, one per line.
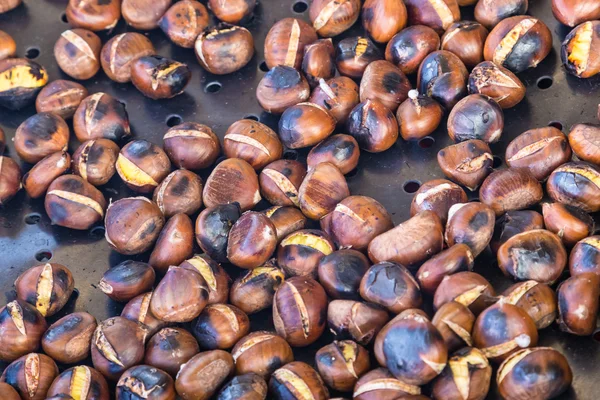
220 326
585 142
438 16
410 46
261 352
159 77
174 244
380 384
418 116
215 276
285 42
38 178
373 126
286 220
437 195
146 382
8 393
138 309
232 180
355 320
510 189
300 252
252 240
204 374
338 95
490 13
540 151
456 258
382 19
443 76
127 280
95 161
133 225
573 13
467 163
411 242
255 290
299 310
179 193
513 223
340 150
224 49
60 97
23 79
191 146
281 180
353 54
570 223
304 125
212 229
455 322
466 40
341 363
323 187
538 373
518 43
297 377
281 88
81 381
47 287
142 165
77 53
121 51
232 11
453 385
471 224
537 299
467 288
477 116
143 14
330 17
41 135
585 256
68 339
392 286
31 375
419 362
578 303
14 341
73 203
576 184
319 61
579 50
253 142
385 82
340 273
244 387
170 348
10 179
498 83
184 21
101 116
95 17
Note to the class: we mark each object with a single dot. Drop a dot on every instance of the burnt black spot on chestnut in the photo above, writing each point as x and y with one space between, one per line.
519 59
102 109
275 363
284 77
11 374
325 359
71 50
389 280
392 81
407 344
479 221
104 2
59 213
280 391
180 186
42 127
142 149
96 391
148 375
148 231
526 373
169 343
368 14
95 154
495 320
56 331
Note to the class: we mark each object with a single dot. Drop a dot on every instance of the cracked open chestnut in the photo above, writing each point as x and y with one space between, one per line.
578 303
410 46
574 12
341 363
467 288
511 189
170 348
285 42
281 180
179 193
220 326
21 81
31 375
373 126
253 142
319 61
191 145
466 40
332 17
184 21
337 95
477 116
215 276
355 320
142 165
212 229
577 184
353 54
392 286
261 352
297 377
41 135
498 83
146 382
467 163
80 382
300 252
47 287
455 323
174 244
385 82
489 13
37 180
512 223
255 290
471 224
437 195
95 161
77 53
101 116
159 77
438 15
94 16
466 377
21 329
138 309
418 116
579 50
456 258
252 240
585 140
121 51
224 49
537 299
68 340
323 187
443 76
232 180
127 280
570 223
60 97
203 375
249 386
380 384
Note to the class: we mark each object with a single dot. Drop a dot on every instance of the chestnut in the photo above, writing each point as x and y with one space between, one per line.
338 95
252 240
471 224
232 180
220 326
510 189
297 377
490 13
438 15
382 19
203 375
418 116
261 352
305 124
174 244
143 14
180 296
9 5
80 382
411 242
8 393
584 256
353 54
578 303
21 329
138 309
127 280
10 179
498 83
159 77
392 286
8 47
170 348
77 53
508 44
380 384
41 135
467 288
117 345
579 50
224 49
255 290
466 40
412 348
373 126
285 42
576 184
191 145
466 377
570 223
281 180
142 165
31 375
318 61
232 11
21 80
101 116
133 225
512 223
385 82
583 139
456 258
146 382
323 187
437 195
340 273
455 323
330 17
299 310
95 161
355 320
215 276
184 21
212 229
477 116
443 77
540 372
573 13
467 163
37 180
121 51
537 299
281 88
341 363
253 142
95 17
410 46
46 287
60 97
340 150
299 253
68 339
244 387
73 203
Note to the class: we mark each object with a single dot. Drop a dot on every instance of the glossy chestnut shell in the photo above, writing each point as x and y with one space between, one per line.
101 116
570 223
31 375
281 88
373 126
418 116
467 376
146 381
437 15
255 290
95 161
337 95
212 229
443 76
437 195
537 299
191 146
410 46
477 116
184 21
456 258
577 184
21 329
341 363
498 83
579 50
179 193
510 189
285 42
512 223
261 352
68 340
584 140
252 141
466 40
127 280
81 381
330 17
578 303
382 19
170 348
455 323
467 163
467 288
47 287
471 224
392 286
353 54
232 180
220 326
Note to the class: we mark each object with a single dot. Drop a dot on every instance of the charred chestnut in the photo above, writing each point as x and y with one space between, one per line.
455 323
471 224
138 309
31 375
224 49
77 53
146 382
467 163
341 363
142 165
179 192
338 96
37 180
299 253
143 14
537 299
261 353
438 15
101 116
47 287
477 116
60 97
392 286
578 303
353 54
457 258
340 150
281 180
244 387
418 116
330 17
81 381
319 61
297 377
41 135
443 76
570 223
585 255
255 290
21 329
305 124
513 223
159 77
170 348
10 179
121 51
384 82
380 384
579 50
285 42
584 140
281 88
21 80
220 326
323 187
576 184
232 180
466 40
410 46
68 339
95 17
373 126
355 320
467 288
174 244
212 229
253 142
252 240
203 375
184 21
510 189
127 280
498 83
438 195
573 13
215 276
95 161
191 145
466 377
490 13
340 273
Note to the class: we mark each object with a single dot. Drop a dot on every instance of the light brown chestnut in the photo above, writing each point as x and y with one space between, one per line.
373 126
455 323
280 182
37 180
438 195
68 339
232 180
490 13
297 377
392 286
121 51
170 348
438 15
337 95
585 141
466 40
456 258
184 21
578 303
467 288
215 276
319 61
255 290
220 326
101 116
471 224
142 165
77 53
573 13
191 145
443 77
60 97
570 223
95 161
577 184
382 19
498 83
174 245
8 47
31 375
96 17
82 381
41 135
537 299
179 193
467 163
47 287
353 54
9 393
224 49
510 189
10 179
385 82
299 253
253 142
410 46
21 329
512 223
304 125
232 11
466 377
418 116
143 14
355 320
138 310
341 363
203 375
261 352
477 116
252 240
323 187
285 42
380 384
331 17
281 88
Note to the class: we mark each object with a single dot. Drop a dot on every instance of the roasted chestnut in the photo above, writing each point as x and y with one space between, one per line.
457 258
127 280
121 51
95 17
8 47
60 97
373 126
170 348
392 286
31 375
281 180
212 229
353 54
143 14
232 180
340 150
537 299
466 377
142 165
133 225
37 180
338 96
281 88
340 273
385 82
68 339
215 276
584 140
285 42
579 50
253 142
10 179
467 163
7 392
21 329
380 384
47 287
455 323
330 17
410 46
323 187
490 13
138 309
443 76
509 43
232 11
184 21
244 387
77 53
255 290
224 49
191 145
438 195
95 161
355 320
576 184
510 189
477 116
341 363
585 255
513 223
471 224
498 83
578 303
159 77
466 40
382 19
146 382
174 244
80 382
261 352
467 288
573 13
41 135
570 223
101 116
438 15
299 253
305 124
319 61
220 326
418 116
20 82
203 375
9 5
297 377
252 240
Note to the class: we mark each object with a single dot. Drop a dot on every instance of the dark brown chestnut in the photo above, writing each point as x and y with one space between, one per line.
249 386
304 125
579 50
297 377
159 77
47 287
77 53
322 189
121 51
31 375
68 340
319 61
438 15
584 140
215 276
373 126
477 116
101 116
179 193
80 382
220 326
146 382
170 348
355 320
142 165
39 136
340 273
232 11
281 88
418 116
255 290
385 82
578 303
10 179
191 145
253 142
300 252
224 49
467 288
466 40
341 363
95 17
410 46
37 180
212 229
490 13
202 376
467 163
537 299
127 280
466 377
437 195
331 17
252 240
353 54
456 258
143 14
512 223
232 180
510 189
21 80
573 13
443 76
184 21
455 323
338 96
138 309
471 224
60 97
576 184
392 286
174 244
380 384
585 256
498 83
21 329
261 353
285 42
570 223
281 180
340 150
95 161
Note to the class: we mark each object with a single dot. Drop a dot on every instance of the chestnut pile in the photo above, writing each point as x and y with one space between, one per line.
320 258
